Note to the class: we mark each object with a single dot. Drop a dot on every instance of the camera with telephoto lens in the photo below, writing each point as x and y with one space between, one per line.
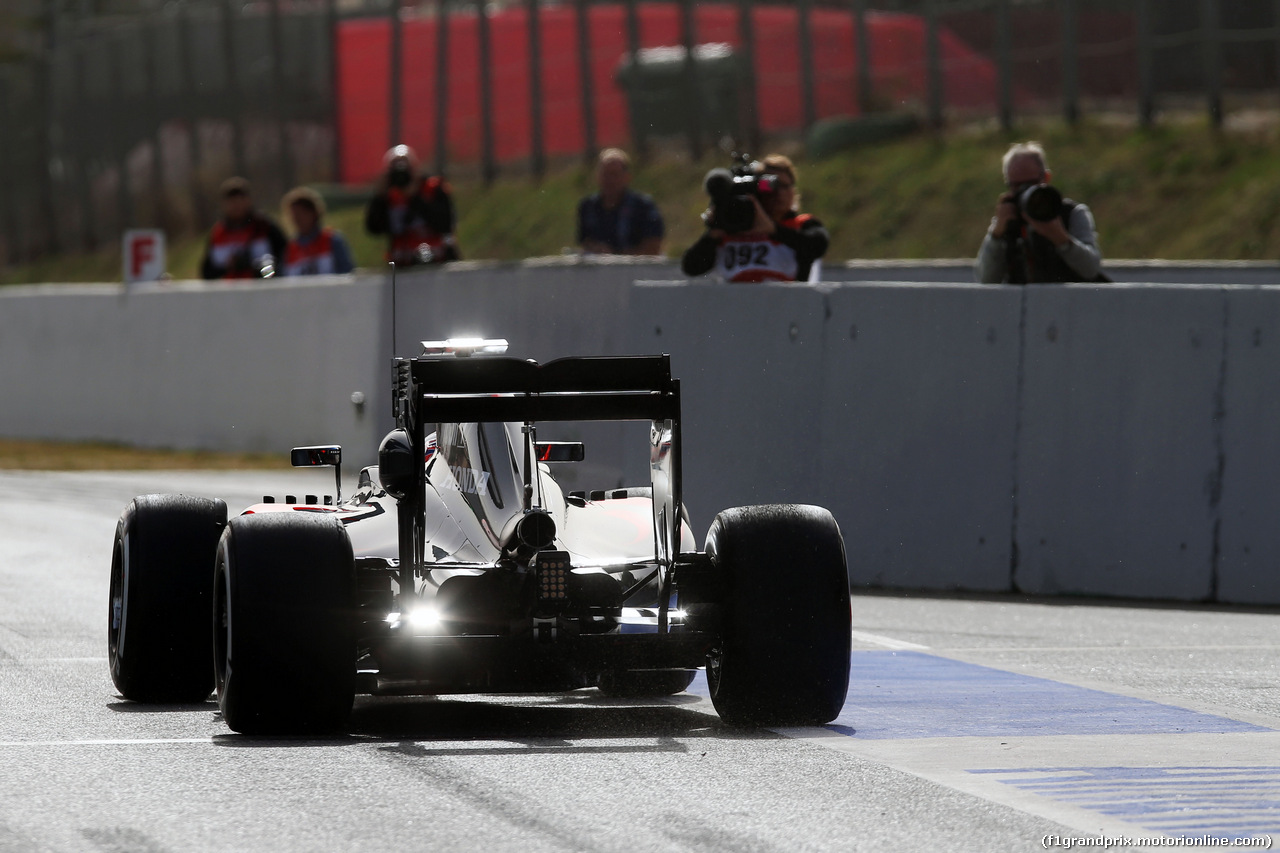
1039 203
732 191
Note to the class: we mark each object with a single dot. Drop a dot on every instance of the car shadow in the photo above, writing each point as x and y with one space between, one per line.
561 724
126 706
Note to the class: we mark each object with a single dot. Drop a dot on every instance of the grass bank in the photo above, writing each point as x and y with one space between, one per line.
1177 191
16 455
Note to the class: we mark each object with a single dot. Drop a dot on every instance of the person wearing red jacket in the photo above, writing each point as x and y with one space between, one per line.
782 244
315 249
414 212
244 243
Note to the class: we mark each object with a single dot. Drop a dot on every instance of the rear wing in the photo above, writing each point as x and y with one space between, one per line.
431 390
463 390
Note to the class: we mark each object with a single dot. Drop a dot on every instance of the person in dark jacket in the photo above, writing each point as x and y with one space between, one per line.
414 212
244 243
782 245
1021 249
616 220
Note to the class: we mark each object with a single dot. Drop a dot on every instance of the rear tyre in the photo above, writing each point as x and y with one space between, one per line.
158 642
638 685
783 654
284 644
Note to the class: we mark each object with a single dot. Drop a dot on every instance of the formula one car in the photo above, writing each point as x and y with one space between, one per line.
460 565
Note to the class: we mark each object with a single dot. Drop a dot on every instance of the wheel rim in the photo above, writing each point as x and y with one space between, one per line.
715 660
118 601
221 623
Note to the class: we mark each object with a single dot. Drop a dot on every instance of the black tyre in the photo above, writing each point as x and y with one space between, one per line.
636 685
284 645
158 640
783 655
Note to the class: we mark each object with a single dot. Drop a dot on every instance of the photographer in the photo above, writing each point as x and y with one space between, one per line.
244 243
1037 235
416 213
755 231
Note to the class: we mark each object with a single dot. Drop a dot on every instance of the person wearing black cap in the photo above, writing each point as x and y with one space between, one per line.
244 243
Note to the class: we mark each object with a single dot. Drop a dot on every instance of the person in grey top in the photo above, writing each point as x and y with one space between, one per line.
1049 242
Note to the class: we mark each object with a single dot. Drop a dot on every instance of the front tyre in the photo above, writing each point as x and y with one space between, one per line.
783 654
158 642
284 644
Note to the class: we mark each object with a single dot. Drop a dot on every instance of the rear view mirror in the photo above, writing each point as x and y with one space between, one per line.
318 456
561 451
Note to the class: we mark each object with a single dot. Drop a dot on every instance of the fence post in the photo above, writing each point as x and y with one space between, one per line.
1004 63
933 64
187 94
9 200
1070 62
1275 28
229 17
335 125
804 34
395 69
151 45
442 83
862 56
48 117
488 165
120 136
1211 44
279 104
588 88
537 155
1146 84
693 91
639 138
83 159
751 113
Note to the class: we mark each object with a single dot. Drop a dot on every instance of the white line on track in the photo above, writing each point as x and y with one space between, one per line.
886 642
107 742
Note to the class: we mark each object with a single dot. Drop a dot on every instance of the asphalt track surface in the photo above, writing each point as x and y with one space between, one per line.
971 725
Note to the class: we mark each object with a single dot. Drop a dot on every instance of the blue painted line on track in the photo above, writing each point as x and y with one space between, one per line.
903 694
1225 802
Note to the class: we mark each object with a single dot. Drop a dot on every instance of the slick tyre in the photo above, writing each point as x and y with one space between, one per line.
783 655
638 685
284 644
159 646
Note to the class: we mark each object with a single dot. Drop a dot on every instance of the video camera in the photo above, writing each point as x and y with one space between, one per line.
731 192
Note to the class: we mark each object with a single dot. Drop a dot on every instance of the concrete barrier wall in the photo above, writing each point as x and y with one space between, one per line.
1079 439
251 368
918 409
1248 567
1118 450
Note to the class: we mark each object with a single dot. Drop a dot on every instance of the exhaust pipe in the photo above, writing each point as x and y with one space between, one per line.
536 530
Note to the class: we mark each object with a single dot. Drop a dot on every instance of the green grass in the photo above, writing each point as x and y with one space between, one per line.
98 456
1178 191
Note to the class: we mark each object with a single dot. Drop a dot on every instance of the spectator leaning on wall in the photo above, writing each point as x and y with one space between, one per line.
615 220
315 249
244 243
1036 234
